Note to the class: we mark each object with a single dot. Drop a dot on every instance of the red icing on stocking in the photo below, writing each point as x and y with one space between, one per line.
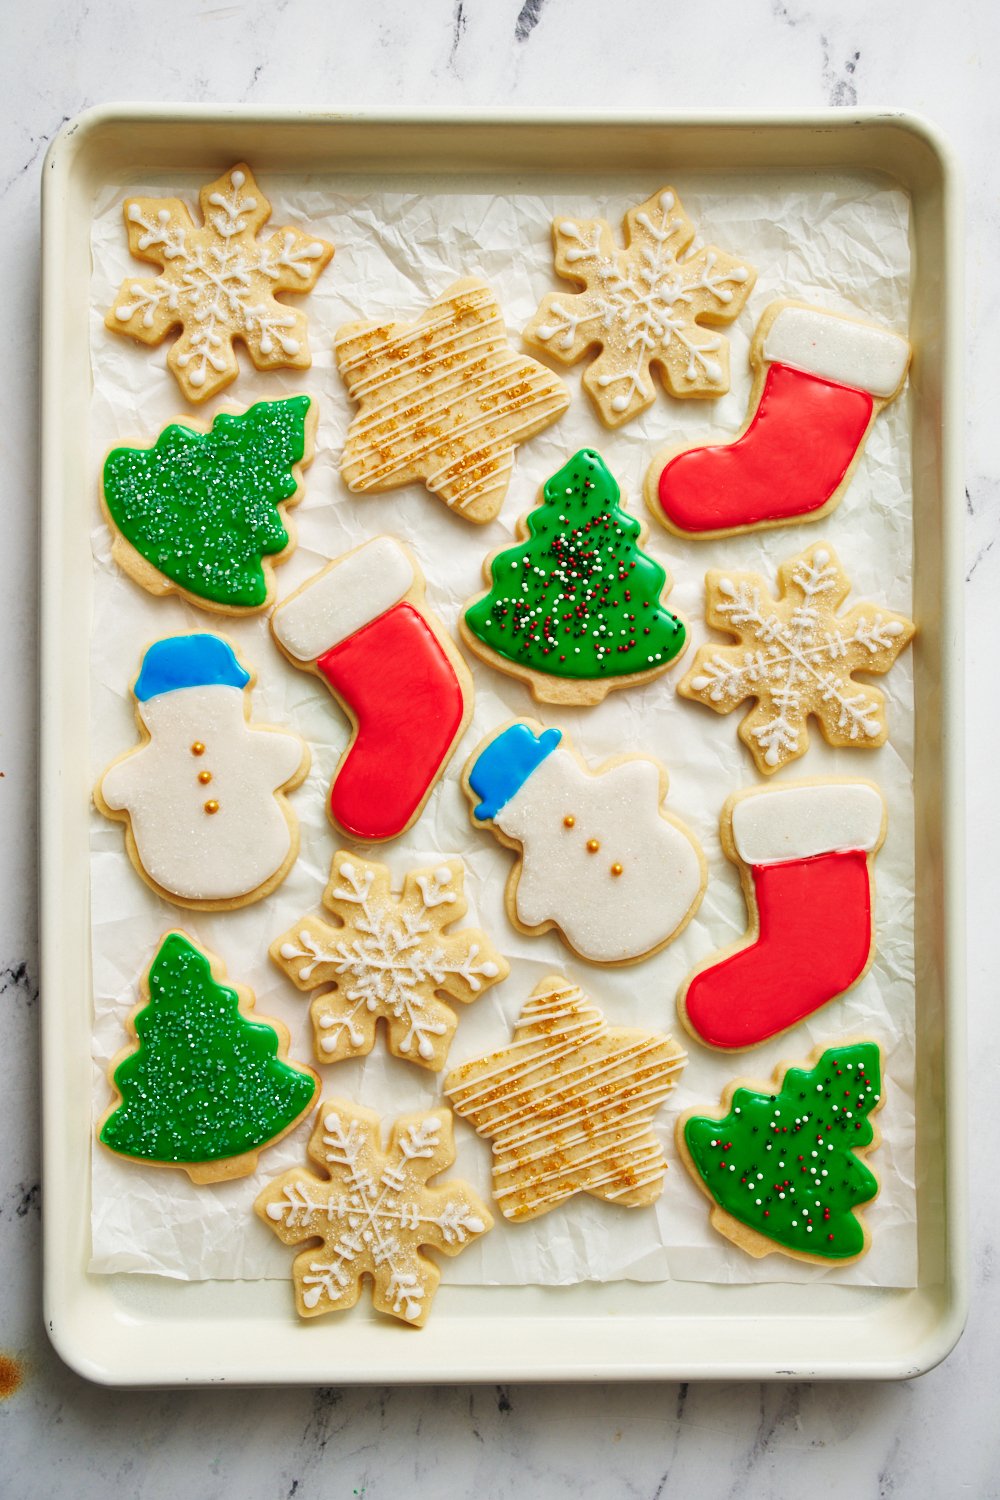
409 708
790 461
815 941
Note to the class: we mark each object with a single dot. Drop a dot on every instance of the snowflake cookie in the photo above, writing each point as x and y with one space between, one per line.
444 399
643 305
389 958
796 655
217 283
373 1212
569 1105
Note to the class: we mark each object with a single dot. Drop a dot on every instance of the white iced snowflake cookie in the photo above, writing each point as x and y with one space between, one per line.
641 306
207 824
217 283
373 1212
389 959
599 858
797 656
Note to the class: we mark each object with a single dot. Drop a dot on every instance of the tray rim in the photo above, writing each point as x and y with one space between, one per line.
74 1303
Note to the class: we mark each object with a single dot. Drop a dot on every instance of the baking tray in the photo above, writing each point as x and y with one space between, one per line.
141 1330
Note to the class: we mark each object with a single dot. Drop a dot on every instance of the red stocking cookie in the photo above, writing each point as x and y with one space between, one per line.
820 382
804 850
361 625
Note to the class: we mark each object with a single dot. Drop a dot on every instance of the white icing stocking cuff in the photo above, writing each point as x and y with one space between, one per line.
342 598
800 822
838 349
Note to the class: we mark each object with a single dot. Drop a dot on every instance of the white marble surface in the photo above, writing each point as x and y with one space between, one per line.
935 1436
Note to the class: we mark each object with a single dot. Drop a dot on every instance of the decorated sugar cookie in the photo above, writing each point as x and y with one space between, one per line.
372 1212
599 859
575 610
805 851
203 512
569 1105
796 655
784 1164
361 625
395 959
218 283
820 380
206 1084
207 823
654 303
445 400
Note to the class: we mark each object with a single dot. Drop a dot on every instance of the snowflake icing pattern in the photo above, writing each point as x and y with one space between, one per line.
217 283
796 656
374 1213
388 959
643 305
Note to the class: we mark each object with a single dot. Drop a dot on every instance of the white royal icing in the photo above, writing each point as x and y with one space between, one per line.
193 854
342 597
605 917
838 349
800 822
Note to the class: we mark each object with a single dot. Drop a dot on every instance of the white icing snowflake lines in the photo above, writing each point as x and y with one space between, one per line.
642 306
217 283
797 657
390 958
373 1212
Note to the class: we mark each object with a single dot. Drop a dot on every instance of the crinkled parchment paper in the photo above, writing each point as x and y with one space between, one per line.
839 241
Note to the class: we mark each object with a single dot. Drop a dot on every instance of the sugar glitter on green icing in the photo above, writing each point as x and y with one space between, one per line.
579 598
784 1164
205 1083
202 507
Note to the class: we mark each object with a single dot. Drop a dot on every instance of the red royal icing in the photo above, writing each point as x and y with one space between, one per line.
815 920
408 704
794 454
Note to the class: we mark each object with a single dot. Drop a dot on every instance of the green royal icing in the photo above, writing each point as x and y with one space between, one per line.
579 598
201 507
205 1083
783 1164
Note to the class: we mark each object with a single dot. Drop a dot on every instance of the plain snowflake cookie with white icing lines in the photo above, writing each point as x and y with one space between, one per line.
653 303
391 958
373 1212
599 859
796 655
569 1105
202 797
218 283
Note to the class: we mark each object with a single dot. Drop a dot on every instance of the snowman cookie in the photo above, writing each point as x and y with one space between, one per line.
599 858
207 824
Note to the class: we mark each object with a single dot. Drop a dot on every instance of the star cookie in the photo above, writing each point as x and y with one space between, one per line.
217 283
796 655
643 305
569 1105
373 1212
445 400
391 959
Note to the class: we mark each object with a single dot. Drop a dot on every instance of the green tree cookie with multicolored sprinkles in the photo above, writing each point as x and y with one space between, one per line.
203 512
576 609
207 1086
785 1168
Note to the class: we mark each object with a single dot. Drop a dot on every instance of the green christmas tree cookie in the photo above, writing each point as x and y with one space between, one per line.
785 1169
202 512
207 1087
575 610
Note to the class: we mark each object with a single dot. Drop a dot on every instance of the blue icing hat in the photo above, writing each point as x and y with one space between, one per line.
506 764
184 661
